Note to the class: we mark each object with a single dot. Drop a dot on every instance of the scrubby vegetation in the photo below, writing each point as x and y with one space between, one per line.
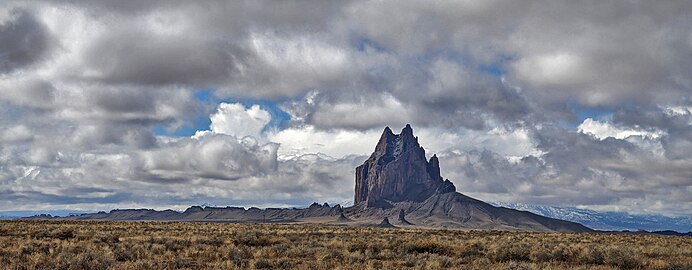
182 245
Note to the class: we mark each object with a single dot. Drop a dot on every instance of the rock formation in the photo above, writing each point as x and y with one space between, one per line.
385 223
402 218
397 179
342 218
398 171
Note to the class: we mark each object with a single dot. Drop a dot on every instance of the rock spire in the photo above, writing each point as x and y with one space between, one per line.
398 171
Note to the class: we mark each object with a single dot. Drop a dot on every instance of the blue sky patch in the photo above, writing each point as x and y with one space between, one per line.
209 102
583 112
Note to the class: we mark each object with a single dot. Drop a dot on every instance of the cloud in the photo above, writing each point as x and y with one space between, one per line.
24 40
124 105
156 59
299 141
234 119
597 174
214 168
338 143
559 103
16 134
552 69
289 66
28 92
604 130
211 156
675 122
596 61
366 113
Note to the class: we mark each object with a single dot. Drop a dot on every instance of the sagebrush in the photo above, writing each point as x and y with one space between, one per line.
187 245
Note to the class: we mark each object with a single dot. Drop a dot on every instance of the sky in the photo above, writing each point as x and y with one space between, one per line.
167 104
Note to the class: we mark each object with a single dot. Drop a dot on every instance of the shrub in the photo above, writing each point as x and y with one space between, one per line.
240 256
510 252
591 255
621 258
107 238
472 250
66 245
185 262
85 260
64 234
262 263
257 240
424 246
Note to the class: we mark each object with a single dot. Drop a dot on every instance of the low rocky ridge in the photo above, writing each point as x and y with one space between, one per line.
396 181
225 214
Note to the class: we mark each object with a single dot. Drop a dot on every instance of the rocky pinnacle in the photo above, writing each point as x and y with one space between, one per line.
398 171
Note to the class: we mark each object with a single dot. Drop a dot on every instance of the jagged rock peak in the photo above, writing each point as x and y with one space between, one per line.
393 145
397 171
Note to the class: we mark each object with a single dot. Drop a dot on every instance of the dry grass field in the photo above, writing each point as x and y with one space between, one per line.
183 245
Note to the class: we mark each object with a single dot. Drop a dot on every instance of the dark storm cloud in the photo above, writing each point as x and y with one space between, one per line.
24 40
215 44
146 59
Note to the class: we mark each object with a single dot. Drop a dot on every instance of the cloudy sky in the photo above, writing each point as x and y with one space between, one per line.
166 104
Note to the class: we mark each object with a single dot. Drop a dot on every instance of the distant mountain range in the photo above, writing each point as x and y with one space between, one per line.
5 215
606 221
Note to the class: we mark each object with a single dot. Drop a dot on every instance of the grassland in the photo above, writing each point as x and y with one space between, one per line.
182 245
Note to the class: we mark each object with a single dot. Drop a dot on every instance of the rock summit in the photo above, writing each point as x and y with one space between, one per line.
398 171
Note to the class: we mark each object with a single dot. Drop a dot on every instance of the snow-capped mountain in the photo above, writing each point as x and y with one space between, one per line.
610 221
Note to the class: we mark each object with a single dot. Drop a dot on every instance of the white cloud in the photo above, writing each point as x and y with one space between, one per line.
364 112
16 134
678 110
505 142
236 120
211 156
299 141
27 91
603 130
338 143
551 69
305 52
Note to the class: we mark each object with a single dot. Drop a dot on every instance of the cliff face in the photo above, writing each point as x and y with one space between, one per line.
398 171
